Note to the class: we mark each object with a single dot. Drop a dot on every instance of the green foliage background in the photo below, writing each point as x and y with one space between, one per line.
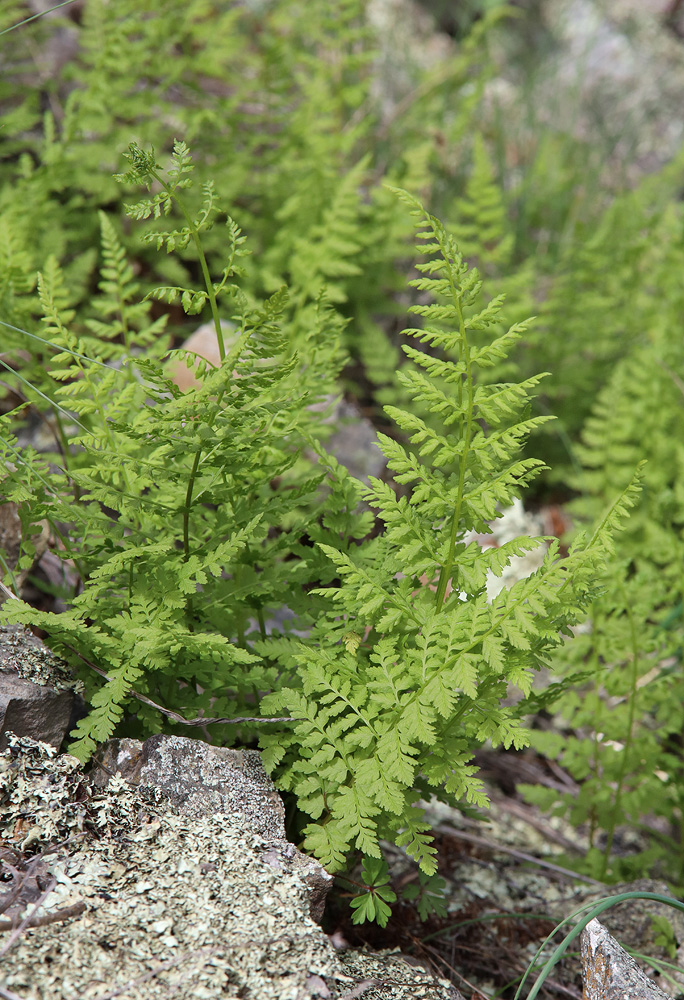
283 225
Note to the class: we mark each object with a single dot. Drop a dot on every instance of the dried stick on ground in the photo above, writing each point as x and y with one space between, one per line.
520 855
27 921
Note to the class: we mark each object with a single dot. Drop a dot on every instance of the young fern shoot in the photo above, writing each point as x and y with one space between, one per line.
146 171
408 671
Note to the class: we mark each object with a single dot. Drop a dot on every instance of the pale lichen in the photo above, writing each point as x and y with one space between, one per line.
24 654
174 905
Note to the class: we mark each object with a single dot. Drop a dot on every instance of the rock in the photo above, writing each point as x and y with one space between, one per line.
609 973
610 72
204 344
172 904
631 922
284 857
354 442
402 26
38 695
200 780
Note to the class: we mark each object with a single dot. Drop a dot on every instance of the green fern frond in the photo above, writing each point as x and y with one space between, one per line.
400 709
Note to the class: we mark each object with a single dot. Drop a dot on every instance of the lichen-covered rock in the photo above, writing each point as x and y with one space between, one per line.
610 73
283 856
173 904
38 695
199 779
609 973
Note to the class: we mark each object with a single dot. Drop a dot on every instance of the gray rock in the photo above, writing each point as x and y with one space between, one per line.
612 76
150 902
284 857
354 443
609 973
200 780
38 695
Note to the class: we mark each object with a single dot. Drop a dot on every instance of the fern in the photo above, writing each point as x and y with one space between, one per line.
282 109
399 682
194 516
627 725
618 280
171 488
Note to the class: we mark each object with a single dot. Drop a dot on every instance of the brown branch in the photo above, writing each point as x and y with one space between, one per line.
49 918
8 994
361 988
26 922
520 855
7 592
433 951
525 814
51 848
175 717
9 897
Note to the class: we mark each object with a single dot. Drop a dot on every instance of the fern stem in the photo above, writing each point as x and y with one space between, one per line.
203 263
262 623
629 735
445 573
63 445
210 292
188 503
593 817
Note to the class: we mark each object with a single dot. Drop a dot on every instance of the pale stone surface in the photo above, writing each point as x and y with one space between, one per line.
202 342
609 973
612 75
199 779
173 904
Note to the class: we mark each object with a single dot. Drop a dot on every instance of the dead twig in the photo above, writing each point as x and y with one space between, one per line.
526 815
520 855
568 991
27 921
8 994
7 592
454 972
49 918
13 894
175 717
51 848
21 875
361 988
